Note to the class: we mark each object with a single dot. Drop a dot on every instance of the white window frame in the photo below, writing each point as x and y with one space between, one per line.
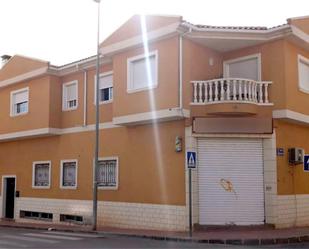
61 173
243 58
12 103
130 61
33 174
95 89
64 101
301 59
117 172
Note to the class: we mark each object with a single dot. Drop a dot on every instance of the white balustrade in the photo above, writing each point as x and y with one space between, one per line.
230 90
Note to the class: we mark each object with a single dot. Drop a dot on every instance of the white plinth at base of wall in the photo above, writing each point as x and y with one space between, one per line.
293 211
113 214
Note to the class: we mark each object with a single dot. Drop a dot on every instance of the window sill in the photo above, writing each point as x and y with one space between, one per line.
104 102
70 109
303 90
68 187
41 187
141 89
107 188
18 115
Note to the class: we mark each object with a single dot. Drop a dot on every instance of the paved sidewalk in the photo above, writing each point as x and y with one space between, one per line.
228 235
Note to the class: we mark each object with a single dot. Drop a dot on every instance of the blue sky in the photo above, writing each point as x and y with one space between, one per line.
61 31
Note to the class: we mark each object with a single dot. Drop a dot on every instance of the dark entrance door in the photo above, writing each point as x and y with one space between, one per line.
9 198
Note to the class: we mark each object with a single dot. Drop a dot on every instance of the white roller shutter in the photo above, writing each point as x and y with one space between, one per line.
230 160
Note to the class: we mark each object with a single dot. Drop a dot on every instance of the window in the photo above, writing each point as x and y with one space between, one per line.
107 173
68 174
303 73
105 88
247 67
36 215
41 174
142 72
19 102
70 96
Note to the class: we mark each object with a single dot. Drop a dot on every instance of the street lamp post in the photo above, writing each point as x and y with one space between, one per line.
97 121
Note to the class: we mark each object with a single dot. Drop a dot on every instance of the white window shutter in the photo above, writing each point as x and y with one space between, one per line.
143 72
71 92
245 69
304 75
21 97
106 81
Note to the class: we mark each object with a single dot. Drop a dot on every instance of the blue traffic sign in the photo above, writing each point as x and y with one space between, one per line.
306 163
191 159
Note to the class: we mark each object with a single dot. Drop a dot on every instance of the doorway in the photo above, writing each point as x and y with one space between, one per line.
8 191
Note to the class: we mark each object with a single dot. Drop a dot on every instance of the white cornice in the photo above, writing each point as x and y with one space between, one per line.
291 116
157 34
53 131
26 134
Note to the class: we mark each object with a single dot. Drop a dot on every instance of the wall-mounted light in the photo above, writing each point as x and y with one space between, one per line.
178 144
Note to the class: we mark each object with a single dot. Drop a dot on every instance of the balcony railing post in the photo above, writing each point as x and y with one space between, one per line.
200 92
221 90
245 89
250 90
234 89
228 90
216 90
210 92
260 93
194 92
239 89
266 92
206 91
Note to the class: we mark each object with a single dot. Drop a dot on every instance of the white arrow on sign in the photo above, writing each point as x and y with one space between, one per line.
191 159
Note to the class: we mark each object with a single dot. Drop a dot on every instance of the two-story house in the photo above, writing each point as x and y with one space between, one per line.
238 96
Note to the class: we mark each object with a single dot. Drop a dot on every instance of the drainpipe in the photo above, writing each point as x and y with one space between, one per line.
85 98
180 69
180 65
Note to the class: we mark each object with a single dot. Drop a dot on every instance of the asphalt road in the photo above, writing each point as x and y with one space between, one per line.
28 238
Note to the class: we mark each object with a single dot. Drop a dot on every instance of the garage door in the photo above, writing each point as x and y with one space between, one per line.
230 180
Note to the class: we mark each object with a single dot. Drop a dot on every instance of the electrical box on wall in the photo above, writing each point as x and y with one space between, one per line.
296 156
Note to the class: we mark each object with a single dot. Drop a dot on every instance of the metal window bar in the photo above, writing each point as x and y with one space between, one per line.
107 173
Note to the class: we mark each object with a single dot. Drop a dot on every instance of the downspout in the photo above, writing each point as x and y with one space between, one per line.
180 70
180 65
85 98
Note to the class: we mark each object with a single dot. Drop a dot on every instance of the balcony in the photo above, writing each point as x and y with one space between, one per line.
229 96
230 90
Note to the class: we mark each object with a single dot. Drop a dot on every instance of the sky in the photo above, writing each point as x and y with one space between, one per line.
62 31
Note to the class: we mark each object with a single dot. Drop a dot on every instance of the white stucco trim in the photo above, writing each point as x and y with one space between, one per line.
291 115
140 118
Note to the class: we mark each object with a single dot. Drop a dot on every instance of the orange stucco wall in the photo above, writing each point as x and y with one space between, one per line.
38 115
133 27
297 100
273 66
18 65
301 23
147 174
291 179
165 95
196 67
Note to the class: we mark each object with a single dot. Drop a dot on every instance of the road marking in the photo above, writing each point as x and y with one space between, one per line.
74 234
29 239
51 236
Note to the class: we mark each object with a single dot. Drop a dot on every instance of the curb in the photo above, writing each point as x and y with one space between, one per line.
247 242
